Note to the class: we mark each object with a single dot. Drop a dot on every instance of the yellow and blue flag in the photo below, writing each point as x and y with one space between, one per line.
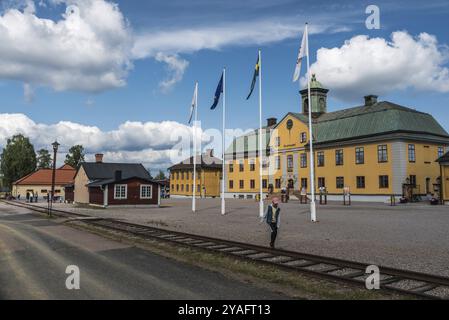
218 93
256 75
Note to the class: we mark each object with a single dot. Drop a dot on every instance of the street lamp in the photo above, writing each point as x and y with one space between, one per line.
53 177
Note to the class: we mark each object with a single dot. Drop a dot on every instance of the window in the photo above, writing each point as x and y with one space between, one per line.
277 183
321 182
231 167
177 187
359 155
146 191
182 175
177 175
320 159
241 166
187 175
383 182
264 183
231 184
278 163
413 180
172 187
290 163
303 160
340 182
303 137
339 157
252 184
278 141
252 165
187 188
411 153
242 184
382 153
440 152
198 188
182 188
361 182
120 191
304 183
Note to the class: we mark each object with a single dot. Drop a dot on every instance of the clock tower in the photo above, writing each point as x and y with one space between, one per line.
318 96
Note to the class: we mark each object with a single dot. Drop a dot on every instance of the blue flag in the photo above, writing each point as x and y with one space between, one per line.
218 93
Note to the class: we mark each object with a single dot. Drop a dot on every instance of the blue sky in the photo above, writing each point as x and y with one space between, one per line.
223 33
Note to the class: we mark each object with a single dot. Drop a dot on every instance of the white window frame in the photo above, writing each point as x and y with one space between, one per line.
142 186
115 192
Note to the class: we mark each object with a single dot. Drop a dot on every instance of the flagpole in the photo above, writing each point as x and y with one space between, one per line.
194 149
312 161
223 182
261 209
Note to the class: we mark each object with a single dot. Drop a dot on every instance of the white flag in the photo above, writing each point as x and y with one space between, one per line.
303 51
193 105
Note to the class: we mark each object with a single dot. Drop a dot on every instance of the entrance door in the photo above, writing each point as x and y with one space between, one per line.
291 184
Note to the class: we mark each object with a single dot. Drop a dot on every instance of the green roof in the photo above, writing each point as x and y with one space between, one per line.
381 118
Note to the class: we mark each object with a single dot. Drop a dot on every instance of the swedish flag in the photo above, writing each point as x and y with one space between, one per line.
256 75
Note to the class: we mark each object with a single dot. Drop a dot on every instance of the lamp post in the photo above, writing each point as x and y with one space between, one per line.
53 177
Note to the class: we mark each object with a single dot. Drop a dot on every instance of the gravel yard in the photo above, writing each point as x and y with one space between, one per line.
414 237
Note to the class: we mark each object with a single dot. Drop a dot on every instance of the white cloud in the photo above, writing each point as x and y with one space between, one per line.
176 67
364 65
88 49
91 47
155 144
214 38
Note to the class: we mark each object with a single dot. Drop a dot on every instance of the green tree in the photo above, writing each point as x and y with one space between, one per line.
44 160
161 175
18 159
75 156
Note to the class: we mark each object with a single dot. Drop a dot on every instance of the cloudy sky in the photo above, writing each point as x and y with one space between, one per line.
118 76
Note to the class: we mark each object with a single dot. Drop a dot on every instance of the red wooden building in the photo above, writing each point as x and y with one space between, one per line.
111 184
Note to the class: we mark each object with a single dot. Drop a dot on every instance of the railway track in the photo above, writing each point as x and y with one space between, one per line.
394 280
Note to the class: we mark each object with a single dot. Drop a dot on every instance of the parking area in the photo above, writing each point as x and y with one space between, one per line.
413 236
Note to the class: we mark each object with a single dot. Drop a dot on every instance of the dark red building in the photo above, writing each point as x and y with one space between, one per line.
111 184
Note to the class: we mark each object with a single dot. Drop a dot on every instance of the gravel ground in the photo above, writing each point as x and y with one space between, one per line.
414 237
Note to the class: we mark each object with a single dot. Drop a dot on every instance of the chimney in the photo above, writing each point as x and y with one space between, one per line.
370 100
272 122
118 175
99 158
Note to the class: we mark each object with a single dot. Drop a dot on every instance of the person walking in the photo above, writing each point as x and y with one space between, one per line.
272 218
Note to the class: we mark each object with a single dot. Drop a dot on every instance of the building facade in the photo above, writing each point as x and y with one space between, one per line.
208 177
444 171
39 183
371 151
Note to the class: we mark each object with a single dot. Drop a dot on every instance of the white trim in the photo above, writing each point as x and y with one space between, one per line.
151 191
105 196
115 192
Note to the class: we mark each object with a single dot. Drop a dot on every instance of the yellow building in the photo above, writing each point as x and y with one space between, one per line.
374 151
208 177
444 171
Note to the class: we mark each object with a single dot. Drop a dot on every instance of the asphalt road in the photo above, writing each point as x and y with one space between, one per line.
35 252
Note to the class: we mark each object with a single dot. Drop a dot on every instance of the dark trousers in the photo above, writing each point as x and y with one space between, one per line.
274 232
